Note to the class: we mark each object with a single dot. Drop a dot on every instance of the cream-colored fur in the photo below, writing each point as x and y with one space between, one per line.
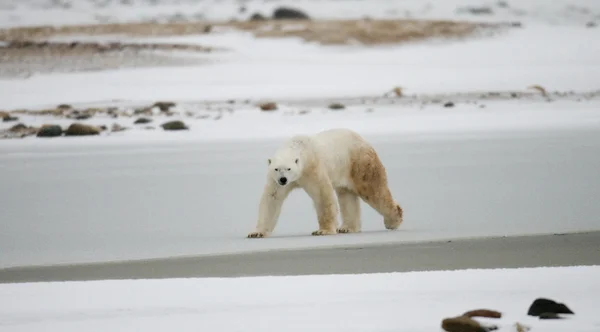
336 163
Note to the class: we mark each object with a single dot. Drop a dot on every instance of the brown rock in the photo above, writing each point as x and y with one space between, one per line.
483 313
64 107
270 106
465 324
80 129
164 105
337 106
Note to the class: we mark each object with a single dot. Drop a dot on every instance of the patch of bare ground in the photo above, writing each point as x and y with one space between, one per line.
364 31
326 32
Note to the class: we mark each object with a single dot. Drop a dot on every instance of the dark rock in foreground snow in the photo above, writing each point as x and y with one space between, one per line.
50 131
286 13
174 125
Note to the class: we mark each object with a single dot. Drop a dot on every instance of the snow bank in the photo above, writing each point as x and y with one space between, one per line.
371 302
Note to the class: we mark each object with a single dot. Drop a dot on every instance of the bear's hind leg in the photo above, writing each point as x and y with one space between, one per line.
350 211
370 182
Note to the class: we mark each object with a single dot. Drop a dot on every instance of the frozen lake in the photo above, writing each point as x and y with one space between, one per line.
72 203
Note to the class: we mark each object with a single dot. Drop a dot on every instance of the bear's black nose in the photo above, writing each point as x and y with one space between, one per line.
282 181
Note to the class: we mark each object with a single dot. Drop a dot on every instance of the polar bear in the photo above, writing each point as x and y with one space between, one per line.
335 162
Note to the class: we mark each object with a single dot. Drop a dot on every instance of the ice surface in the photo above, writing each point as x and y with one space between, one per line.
400 302
482 174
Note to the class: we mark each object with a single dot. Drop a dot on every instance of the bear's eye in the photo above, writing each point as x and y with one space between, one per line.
289 169
277 170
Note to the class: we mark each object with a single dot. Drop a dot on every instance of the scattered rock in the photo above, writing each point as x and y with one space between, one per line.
449 104
145 110
270 106
302 112
257 17
149 128
591 25
465 324
336 106
142 121
4 114
483 313
64 107
242 9
549 315
502 4
83 116
514 95
207 29
18 127
478 10
539 88
174 125
164 105
286 13
516 24
10 118
50 131
80 129
521 328
546 306
115 128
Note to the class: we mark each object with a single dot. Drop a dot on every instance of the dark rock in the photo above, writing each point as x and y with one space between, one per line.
164 105
207 29
174 125
502 4
50 131
337 106
64 107
591 25
270 106
549 315
479 10
83 116
80 129
547 306
10 118
449 104
257 17
142 121
286 13
18 127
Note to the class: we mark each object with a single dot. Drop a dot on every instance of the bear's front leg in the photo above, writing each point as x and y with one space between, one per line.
323 196
270 208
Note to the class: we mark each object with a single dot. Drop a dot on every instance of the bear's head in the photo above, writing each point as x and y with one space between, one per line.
284 170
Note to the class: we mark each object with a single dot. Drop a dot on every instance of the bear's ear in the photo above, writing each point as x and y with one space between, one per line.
296 160
269 160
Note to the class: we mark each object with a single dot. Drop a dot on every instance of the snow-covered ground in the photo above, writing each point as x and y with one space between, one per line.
65 12
415 302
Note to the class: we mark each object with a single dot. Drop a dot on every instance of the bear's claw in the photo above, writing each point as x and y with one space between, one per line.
256 235
345 230
323 232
